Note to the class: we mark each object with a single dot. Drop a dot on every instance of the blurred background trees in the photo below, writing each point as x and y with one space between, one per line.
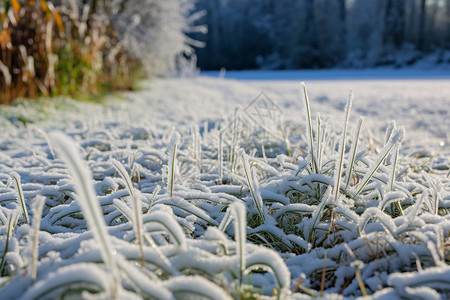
247 34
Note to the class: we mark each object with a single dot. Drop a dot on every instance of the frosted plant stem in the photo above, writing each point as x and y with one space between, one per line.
240 221
87 199
136 206
360 281
155 192
397 138
392 179
138 225
198 149
318 140
172 157
220 158
317 215
18 187
124 174
435 192
263 152
353 151
250 175
37 214
389 131
286 140
234 142
338 171
309 130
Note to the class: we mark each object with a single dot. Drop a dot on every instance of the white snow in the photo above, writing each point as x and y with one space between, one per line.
186 255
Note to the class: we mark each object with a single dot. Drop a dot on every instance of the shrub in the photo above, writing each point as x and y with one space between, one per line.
87 47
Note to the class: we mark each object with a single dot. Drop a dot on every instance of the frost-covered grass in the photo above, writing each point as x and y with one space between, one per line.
152 209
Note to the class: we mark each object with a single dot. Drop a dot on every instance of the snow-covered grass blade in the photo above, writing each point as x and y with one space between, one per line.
340 161
309 129
67 150
172 162
15 180
37 214
397 138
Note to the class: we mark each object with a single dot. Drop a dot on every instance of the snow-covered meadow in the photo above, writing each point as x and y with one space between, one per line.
206 187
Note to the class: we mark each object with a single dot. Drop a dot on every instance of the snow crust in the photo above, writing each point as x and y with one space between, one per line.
188 250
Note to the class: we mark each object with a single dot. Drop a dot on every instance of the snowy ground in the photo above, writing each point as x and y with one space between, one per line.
139 132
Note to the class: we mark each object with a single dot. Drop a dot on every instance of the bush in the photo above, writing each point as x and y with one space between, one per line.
87 47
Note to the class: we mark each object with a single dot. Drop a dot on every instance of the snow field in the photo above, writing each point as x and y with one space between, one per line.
140 202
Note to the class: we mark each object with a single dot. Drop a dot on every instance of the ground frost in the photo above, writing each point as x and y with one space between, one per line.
220 208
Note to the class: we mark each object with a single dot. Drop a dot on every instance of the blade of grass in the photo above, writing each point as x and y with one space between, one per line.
67 150
37 214
353 151
319 142
11 225
136 206
396 139
240 234
220 158
18 187
171 162
309 129
155 192
338 171
124 174
358 265
252 181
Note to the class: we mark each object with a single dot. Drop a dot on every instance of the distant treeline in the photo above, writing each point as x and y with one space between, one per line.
277 34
